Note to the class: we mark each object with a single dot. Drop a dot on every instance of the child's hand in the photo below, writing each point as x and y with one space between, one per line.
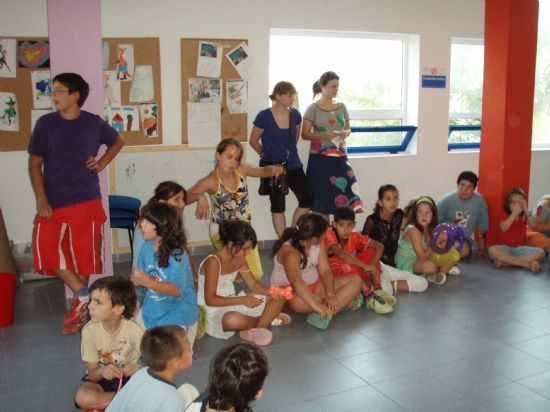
130 369
322 310
442 239
516 208
44 209
277 170
139 277
110 372
252 301
203 208
369 269
92 164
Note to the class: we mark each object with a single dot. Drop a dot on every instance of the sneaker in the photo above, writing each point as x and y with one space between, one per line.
77 312
390 299
70 328
438 278
379 305
455 270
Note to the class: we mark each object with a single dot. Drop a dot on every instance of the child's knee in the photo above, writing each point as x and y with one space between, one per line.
430 268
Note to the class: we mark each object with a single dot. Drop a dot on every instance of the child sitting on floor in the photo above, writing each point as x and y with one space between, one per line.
511 249
238 376
351 253
166 351
110 341
227 312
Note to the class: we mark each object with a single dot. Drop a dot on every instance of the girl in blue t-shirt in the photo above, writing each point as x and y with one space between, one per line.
279 129
164 269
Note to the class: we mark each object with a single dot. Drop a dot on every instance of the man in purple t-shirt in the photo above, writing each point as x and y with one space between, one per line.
68 225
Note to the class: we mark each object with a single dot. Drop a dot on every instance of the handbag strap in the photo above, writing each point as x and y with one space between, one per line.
289 135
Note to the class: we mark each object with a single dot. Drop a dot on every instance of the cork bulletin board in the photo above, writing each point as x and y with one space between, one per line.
146 52
21 87
232 125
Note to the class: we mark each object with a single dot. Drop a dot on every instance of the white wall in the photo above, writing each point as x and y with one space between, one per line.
431 171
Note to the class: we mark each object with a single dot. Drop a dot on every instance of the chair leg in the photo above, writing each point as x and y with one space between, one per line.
131 237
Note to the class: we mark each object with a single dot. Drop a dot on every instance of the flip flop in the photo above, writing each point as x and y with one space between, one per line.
315 320
259 336
358 303
282 319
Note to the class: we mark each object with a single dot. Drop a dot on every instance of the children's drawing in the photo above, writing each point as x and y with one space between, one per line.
236 96
34 54
123 118
205 90
105 54
240 59
41 89
209 63
148 112
37 114
7 58
125 61
9 113
142 89
111 89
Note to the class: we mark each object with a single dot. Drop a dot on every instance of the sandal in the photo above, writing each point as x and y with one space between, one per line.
259 336
315 320
282 319
355 304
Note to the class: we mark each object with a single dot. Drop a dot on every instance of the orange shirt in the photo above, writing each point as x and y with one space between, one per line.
356 243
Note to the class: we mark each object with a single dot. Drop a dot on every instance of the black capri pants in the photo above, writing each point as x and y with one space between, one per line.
297 182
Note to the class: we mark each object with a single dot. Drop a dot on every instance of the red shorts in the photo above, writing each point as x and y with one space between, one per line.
70 240
341 268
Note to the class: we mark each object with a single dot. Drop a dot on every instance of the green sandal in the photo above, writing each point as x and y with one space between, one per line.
315 320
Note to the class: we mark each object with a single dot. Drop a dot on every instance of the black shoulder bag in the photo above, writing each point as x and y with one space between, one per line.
275 185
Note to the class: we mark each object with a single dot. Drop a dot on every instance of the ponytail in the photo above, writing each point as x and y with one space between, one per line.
323 80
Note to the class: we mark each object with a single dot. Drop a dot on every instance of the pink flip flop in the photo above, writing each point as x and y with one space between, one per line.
282 319
259 336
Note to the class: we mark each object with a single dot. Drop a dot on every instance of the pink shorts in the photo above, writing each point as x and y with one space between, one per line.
70 240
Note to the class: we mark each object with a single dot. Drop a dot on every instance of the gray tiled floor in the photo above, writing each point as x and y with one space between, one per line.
481 342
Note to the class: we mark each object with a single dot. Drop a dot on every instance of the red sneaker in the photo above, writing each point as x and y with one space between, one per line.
77 312
70 328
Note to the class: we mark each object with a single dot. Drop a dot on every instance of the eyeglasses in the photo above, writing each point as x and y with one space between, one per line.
58 90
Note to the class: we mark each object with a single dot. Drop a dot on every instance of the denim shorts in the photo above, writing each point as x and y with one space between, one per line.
518 251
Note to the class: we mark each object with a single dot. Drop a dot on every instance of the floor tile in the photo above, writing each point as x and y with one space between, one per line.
512 397
358 400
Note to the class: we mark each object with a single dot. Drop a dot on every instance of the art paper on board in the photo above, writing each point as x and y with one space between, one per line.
205 90
37 114
105 54
204 124
209 63
240 59
123 118
149 119
41 89
236 96
33 54
9 112
142 89
125 62
111 89
8 65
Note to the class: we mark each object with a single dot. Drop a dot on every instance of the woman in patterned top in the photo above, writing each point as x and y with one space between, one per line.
228 191
326 125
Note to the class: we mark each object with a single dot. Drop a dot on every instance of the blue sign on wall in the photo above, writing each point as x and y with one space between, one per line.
437 82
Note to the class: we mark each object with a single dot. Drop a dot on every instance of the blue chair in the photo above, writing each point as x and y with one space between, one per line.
124 213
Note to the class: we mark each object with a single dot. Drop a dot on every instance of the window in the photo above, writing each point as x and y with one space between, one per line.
466 85
372 70
541 109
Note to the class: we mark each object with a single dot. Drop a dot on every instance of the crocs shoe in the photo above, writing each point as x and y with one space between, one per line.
355 304
77 312
315 320
455 270
438 278
390 299
259 336
379 305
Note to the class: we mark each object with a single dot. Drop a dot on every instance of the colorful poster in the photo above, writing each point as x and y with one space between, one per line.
34 54
125 62
240 59
111 89
142 89
205 90
148 113
210 60
37 114
236 96
9 112
41 89
8 65
123 118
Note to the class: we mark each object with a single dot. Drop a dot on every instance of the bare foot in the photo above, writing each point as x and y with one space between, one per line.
535 266
497 264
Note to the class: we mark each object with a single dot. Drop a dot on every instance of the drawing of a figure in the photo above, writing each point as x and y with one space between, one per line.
122 65
9 111
3 55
